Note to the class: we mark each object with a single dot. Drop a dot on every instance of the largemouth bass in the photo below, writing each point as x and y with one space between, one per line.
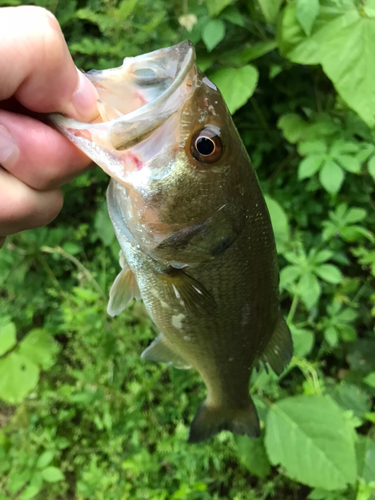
195 234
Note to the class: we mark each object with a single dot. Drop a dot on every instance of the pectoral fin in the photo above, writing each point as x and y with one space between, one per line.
204 241
188 292
279 350
161 352
123 290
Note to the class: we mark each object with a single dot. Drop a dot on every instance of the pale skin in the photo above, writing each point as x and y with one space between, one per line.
37 75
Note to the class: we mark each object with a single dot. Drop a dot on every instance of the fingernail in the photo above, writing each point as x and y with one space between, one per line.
9 151
84 99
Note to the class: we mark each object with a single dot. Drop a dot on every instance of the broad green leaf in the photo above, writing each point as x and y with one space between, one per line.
322 256
349 163
8 337
18 376
303 341
365 448
288 275
347 59
329 273
40 347
331 176
309 289
72 248
253 456
241 57
213 32
52 474
279 222
370 379
29 492
309 166
308 436
270 9
44 459
355 215
331 336
315 147
306 13
233 15
236 85
350 397
216 6
292 126
371 167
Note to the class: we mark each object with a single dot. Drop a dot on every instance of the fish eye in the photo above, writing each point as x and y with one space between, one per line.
206 146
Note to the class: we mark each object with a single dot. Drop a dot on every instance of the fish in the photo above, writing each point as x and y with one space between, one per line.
196 238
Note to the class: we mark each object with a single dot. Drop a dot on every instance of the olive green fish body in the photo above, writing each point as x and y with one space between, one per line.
196 237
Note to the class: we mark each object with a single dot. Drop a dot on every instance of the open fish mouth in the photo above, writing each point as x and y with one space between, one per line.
134 100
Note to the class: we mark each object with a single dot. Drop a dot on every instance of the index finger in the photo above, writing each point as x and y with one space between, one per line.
36 66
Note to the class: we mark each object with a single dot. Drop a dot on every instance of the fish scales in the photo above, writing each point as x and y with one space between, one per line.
195 234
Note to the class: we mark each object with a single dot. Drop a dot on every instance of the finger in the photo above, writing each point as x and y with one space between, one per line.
36 65
37 154
22 207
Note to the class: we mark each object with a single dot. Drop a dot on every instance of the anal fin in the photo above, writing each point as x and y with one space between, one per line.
124 290
160 352
279 350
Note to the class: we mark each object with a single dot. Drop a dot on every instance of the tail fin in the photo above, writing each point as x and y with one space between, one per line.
210 420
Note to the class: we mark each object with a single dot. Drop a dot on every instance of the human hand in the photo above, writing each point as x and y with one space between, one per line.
37 75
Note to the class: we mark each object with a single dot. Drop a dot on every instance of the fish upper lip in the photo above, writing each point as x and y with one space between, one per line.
186 60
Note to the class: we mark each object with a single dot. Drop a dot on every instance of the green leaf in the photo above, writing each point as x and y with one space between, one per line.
253 456
8 337
349 163
279 222
355 215
18 376
270 9
306 13
292 126
365 448
216 6
52 474
309 166
331 336
236 85
350 397
72 248
30 492
370 379
347 59
303 341
44 459
331 176
308 436
371 167
309 290
306 148
40 347
329 273
213 33
288 275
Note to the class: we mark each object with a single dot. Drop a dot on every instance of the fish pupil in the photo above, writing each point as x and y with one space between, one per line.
205 146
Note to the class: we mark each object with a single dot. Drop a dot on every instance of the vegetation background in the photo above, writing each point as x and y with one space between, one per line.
82 416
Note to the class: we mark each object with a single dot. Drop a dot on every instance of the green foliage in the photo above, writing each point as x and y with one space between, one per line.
81 415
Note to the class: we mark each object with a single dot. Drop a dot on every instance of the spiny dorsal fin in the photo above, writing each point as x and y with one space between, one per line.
209 420
279 350
160 352
123 291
